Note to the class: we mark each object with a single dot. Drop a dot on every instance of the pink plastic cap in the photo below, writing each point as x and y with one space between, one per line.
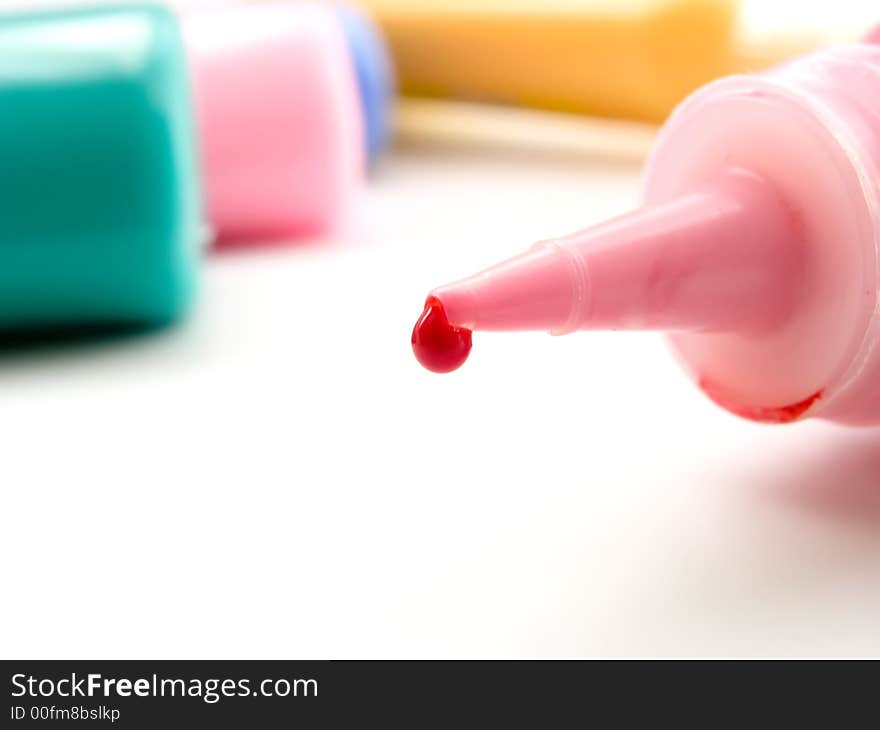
277 108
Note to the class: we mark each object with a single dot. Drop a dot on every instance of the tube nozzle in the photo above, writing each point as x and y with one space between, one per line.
717 259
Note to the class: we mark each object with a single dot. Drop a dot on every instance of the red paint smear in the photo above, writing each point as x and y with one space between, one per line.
439 346
781 414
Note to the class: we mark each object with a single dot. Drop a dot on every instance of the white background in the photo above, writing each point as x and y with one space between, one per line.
279 478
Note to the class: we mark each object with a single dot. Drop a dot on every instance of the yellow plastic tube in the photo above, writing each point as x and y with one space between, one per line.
631 59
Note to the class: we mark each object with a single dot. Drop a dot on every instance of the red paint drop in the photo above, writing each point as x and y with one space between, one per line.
777 414
439 346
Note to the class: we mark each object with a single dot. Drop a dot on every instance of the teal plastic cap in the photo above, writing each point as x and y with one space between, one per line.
99 206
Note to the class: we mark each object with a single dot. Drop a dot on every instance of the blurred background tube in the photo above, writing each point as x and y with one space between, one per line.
367 51
99 196
280 127
631 59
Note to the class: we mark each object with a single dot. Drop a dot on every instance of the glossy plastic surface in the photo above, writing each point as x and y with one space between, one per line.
98 201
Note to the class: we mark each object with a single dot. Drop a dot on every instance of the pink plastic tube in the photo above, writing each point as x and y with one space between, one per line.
278 117
756 249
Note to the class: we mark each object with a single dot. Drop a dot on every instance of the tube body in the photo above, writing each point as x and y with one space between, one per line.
811 128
